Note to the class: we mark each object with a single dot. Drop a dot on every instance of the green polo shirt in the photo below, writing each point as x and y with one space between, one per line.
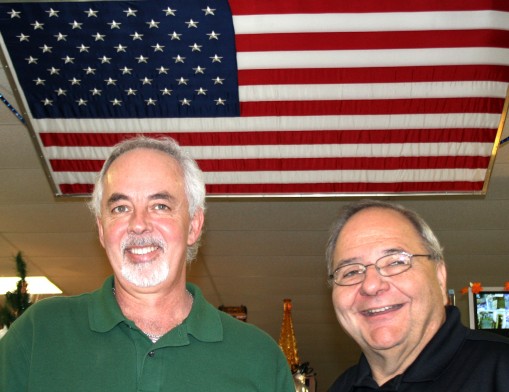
84 343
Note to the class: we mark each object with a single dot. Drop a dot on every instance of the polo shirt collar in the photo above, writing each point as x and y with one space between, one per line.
439 352
203 322
104 312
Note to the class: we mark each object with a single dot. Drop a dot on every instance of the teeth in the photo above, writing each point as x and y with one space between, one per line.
379 310
142 251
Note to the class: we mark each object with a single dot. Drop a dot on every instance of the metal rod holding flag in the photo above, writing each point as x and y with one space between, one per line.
498 143
12 108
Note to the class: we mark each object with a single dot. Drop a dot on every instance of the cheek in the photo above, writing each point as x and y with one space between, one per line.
420 282
171 231
342 301
111 233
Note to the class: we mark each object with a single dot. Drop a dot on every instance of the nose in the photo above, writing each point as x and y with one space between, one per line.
139 222
373 283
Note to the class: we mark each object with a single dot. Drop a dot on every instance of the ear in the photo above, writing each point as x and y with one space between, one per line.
100 230
442 280
195 227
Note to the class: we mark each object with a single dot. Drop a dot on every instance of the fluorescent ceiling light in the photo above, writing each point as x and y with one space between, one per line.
36 285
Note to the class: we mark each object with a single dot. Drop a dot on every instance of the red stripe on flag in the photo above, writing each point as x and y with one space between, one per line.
361 187
372 107
274 189
469 135
447 73
371 40
76 165
385 163
301 164
76 189
260 7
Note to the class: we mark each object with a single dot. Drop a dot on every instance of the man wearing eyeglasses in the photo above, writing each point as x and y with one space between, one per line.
388 279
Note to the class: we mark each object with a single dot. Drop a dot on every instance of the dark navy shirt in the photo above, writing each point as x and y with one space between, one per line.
456 359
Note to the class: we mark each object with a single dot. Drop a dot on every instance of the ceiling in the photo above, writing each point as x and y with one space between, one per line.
255 252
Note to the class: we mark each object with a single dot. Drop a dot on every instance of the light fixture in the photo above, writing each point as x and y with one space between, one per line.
35 285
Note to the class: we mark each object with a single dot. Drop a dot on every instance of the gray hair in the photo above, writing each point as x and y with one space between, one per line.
194 183
429 240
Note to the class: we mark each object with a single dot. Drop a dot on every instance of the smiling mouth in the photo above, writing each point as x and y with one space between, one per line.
142 251
383 310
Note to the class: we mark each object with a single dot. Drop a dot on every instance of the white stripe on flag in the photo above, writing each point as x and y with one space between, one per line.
361 22
308 92
312 176
299 151
282 123
368 58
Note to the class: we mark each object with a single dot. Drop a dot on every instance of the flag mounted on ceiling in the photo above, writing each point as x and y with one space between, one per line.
271 97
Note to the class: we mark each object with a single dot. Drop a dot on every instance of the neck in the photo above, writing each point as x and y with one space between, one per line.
389 363
155 314
385 366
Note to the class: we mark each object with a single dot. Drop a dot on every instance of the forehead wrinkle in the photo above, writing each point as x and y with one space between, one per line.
162 195
392 251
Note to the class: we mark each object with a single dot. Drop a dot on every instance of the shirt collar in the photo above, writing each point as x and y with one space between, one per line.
438 353
103 308
203 322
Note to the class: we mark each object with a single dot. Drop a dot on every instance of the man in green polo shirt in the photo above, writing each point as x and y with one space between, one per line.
146 329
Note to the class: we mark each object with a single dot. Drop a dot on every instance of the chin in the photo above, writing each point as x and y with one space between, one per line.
145 275
385 339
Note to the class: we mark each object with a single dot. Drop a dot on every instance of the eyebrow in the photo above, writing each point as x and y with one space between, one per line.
156 196
353 260
357 260
116 197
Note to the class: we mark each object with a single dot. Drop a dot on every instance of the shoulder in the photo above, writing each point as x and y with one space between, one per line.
47 317
487 350
208 323
58 304
247 333
345 381
470 341
253 352
487 340
53 311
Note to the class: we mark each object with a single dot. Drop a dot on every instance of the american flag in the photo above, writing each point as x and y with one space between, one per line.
271 97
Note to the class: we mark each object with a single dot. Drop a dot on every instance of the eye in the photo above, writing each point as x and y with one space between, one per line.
351 271
120 209
349 274
161 207
397 260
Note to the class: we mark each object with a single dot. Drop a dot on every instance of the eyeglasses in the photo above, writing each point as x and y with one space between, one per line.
390 265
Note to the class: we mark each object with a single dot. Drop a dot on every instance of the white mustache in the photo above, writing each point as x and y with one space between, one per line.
133 240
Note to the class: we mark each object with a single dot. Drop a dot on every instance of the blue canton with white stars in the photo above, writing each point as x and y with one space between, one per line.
123 59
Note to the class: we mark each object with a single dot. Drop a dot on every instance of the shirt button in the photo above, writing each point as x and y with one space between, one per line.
151 354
